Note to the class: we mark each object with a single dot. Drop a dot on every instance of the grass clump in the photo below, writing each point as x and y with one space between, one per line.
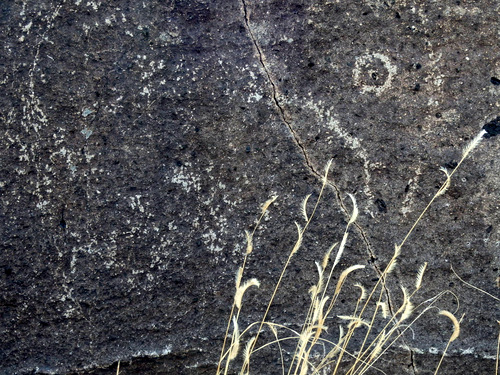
367 333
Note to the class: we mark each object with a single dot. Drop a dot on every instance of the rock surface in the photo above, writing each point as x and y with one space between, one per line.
139 140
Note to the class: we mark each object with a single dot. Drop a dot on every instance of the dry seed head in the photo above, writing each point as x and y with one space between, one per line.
363 291
321 308
344 274
405 293
304 207
246 356
267 203
336 349
313 291
397 250
384 308
315 308
341 249
378 348
235 345
408 310
320 280
355 210
305 336
447 183
473 144
456 324
247 351
320 270
327 169
242 289
420 276
273 329
318 310
239 274
354 320
405 299
357 323
326 258
341 334
391 266
299 239
249 242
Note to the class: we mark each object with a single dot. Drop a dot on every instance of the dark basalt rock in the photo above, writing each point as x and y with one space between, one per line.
492 128
139 139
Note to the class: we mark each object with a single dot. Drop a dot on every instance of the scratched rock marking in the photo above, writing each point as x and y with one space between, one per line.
373 73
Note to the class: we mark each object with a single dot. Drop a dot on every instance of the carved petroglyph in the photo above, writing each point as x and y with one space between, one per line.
373 73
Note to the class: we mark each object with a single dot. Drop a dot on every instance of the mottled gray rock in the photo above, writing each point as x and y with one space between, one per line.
139 140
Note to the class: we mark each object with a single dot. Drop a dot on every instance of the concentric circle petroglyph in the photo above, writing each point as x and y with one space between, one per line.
373 72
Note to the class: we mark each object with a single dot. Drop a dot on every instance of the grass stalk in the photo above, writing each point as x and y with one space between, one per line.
321 306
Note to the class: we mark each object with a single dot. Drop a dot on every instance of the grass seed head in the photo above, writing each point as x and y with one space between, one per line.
326 258
267 203
363 292
420 275
299 239
407 311
239 274
327 169
384 308
249 242
247 350
355 210
447 183
344 275
473 144
242 289
456 324
235 346
304 207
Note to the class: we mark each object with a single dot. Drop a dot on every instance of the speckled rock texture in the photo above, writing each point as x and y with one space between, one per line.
140 138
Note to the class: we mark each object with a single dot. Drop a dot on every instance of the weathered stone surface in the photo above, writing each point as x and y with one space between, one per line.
139 140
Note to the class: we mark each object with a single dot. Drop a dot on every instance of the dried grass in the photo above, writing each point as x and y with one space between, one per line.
371 320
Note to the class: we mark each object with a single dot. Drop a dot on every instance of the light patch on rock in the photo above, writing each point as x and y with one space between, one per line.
468 351
186 179
154 352
209 239
26 28
106 251
450 115
409 197
109 20
93 4
87 111
255 97
41 205
135 203
415 350
433 350
460 11
87 133
325 116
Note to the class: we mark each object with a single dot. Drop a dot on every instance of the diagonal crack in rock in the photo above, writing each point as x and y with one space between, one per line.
274 89
282 113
